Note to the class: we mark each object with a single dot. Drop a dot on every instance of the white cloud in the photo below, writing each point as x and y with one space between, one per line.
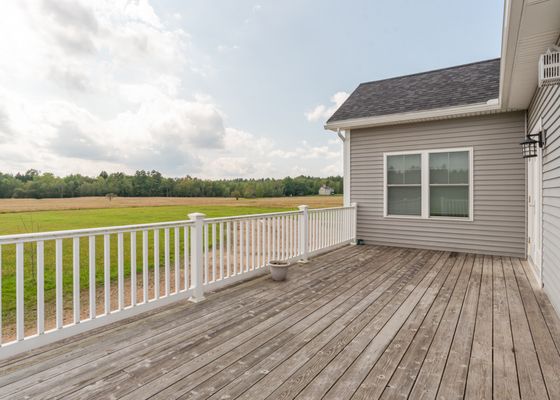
323 112
106 85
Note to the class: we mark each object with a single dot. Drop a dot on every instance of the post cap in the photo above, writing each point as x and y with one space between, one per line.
303 207
195 216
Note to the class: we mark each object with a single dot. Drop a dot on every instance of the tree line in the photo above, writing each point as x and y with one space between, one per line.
34 184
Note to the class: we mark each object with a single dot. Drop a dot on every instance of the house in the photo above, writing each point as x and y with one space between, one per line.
434 159
325 190
442 303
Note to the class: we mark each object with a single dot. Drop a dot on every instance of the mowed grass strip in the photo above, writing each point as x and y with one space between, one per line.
43 221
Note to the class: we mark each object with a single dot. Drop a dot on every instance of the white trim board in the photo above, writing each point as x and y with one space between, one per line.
417 116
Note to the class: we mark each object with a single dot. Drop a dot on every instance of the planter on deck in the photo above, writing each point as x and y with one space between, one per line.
278 269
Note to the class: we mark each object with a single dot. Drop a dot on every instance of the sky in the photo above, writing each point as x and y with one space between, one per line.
214 89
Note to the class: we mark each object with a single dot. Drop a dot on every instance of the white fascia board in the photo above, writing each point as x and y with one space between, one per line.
416 116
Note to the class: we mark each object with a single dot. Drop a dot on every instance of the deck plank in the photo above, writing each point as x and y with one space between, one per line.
453 380
357 336
506 385
479 378
429 377
549 359
405 320
204 382
388 378
531 382
551 317
282 364
362 322
186 376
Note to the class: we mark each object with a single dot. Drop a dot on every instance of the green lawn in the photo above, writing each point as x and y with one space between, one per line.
23 222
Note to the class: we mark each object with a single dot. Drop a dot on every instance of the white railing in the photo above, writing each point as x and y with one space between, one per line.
68 282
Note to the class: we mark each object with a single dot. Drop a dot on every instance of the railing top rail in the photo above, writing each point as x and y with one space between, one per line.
330 208
52 235
274 214
251 216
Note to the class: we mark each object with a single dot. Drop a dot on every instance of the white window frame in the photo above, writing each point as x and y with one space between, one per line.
425 184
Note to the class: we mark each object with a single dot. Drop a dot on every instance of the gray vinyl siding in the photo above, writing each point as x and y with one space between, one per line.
499 225
546 105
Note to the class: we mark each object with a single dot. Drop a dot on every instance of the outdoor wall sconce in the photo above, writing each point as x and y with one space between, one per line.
529 145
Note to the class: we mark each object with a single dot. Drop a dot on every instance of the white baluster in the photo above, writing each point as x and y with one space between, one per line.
234 248
166 261
92 300
177 248
40 287
76 279
107 272
58 278
253 238
206 254
214 226
222 250
145 261
156 264
120 270
133 284
20 326
186 257
247 244
228 248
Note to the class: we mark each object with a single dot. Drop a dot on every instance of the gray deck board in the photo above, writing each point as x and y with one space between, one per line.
363 322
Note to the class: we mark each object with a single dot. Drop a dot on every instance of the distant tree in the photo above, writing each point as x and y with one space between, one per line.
33 184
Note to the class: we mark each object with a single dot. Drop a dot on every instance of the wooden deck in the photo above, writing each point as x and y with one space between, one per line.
363 322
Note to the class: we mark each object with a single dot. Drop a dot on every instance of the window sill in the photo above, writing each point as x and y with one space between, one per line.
456 219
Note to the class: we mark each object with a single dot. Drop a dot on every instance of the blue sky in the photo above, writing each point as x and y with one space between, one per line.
210 88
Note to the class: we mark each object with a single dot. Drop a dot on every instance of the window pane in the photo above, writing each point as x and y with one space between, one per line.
404 200
449 201
412 164
459 167
395 170
439 168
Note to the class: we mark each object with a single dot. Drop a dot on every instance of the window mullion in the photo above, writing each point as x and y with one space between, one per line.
425 182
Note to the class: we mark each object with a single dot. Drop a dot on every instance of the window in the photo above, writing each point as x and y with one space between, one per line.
429 184
449 184
404 184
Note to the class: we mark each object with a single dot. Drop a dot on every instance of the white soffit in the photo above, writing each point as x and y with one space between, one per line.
530 27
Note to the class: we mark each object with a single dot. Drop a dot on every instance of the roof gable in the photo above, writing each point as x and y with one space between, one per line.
456 86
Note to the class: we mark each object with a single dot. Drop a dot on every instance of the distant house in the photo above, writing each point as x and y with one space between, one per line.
326 190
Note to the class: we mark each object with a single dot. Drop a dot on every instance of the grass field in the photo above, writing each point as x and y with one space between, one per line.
27 215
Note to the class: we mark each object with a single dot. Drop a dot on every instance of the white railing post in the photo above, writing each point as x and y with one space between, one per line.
354 223
303 234
197 257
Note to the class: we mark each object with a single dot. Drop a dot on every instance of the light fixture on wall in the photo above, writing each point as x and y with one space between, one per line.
531 144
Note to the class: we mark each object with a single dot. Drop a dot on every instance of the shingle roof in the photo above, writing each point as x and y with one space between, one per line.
461 85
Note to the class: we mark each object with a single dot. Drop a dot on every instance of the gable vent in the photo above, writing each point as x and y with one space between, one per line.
549 67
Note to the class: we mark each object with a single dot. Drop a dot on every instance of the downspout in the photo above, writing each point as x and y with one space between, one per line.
340 135
345 138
